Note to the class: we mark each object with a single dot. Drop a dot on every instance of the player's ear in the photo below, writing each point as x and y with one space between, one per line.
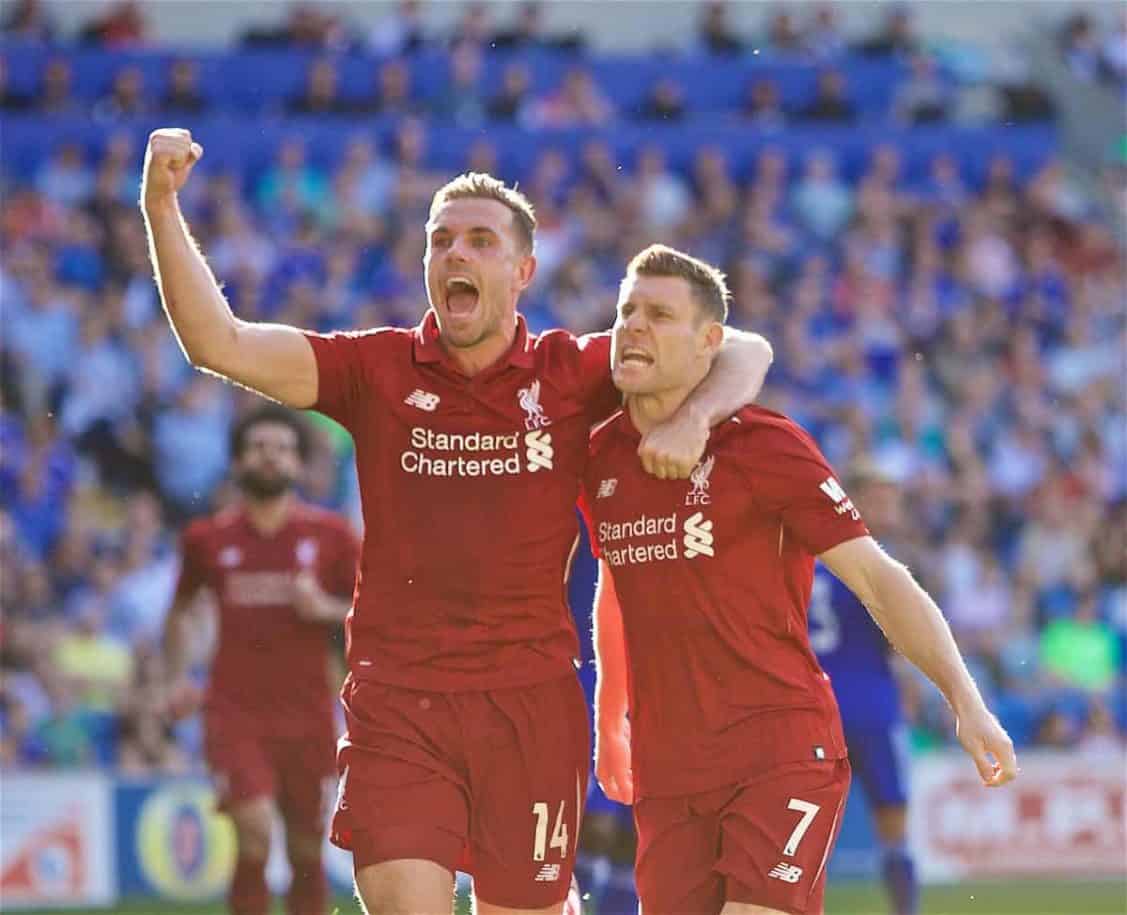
713 337
526 270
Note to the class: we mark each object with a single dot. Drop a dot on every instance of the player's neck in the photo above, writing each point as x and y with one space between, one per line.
649 410
473 360
267 516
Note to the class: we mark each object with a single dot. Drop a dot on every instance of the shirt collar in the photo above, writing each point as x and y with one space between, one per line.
427 347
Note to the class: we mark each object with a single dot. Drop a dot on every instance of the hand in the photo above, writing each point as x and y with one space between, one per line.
612 762
182 699
169 160
983 737
673 448
307 596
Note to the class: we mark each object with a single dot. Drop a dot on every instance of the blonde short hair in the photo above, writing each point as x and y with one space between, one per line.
478 185
706 282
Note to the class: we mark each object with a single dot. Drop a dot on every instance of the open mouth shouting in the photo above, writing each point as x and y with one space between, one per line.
462 296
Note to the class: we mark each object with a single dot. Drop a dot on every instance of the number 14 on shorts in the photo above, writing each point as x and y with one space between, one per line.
540 843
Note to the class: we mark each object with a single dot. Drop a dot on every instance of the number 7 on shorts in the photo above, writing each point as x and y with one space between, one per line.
809 811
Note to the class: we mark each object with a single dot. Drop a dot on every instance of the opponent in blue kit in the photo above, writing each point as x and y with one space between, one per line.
854 652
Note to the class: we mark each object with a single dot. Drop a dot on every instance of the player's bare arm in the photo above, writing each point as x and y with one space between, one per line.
612 727
672 449
180 627
314 604
273 359
916 628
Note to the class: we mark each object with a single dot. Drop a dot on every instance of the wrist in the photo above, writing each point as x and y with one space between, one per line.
160 203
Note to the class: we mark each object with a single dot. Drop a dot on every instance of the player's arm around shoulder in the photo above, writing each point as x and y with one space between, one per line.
670 450
916 628
273 359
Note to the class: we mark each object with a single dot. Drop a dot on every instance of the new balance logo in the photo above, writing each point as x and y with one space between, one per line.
788 873
538 450
698 536
549 873
843 505
424 400
606 488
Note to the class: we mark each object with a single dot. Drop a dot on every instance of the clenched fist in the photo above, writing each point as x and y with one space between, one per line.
169 160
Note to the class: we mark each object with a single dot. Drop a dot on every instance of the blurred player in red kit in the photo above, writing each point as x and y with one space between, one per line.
281 573
468 744
712 714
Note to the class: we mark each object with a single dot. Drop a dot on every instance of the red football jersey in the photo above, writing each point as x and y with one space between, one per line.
714 575
270 669
468 488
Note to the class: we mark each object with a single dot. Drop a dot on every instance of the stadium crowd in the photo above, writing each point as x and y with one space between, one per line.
969 336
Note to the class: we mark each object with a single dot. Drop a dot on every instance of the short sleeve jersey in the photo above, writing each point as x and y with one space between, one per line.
270 670
714 575
468 487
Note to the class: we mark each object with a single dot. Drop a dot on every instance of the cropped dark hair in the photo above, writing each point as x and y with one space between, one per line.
269 413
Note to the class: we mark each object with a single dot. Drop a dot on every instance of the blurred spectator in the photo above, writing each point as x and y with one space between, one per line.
292 185
762 107
190 446
663 197
1081 47
714 33
183 95
1113 52
666 102
392 92
28 20
122 25
473 27
462 102
830 102
897 34
577 102
783 34
321 95
1081 651
307 25
821 202
527 31
399 32
127 96
824 40
54 96
95 667
923 98
511 102
65 178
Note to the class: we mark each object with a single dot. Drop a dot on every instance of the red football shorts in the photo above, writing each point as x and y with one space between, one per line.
491 783
763 842
299 773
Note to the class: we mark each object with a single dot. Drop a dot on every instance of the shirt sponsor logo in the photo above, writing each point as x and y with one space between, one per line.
259 589
697 539
842 503
529 400
538 450
788 873
549 873
230 556
698 495
476 454
607 488
698 536
424 400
